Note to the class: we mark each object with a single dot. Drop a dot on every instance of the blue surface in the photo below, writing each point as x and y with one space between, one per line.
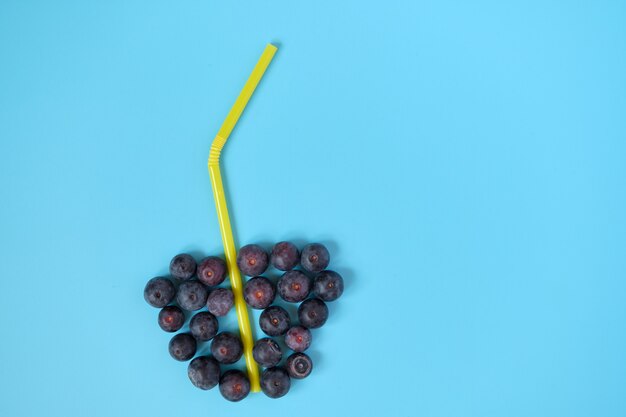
464 161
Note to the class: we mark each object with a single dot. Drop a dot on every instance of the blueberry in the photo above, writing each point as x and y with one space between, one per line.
203 326
212 271
274 321
171 318
259 292
220 301
204 372
275 382
192 295
328 285
159 292
183 266
226 348
234 385
294 286
266 352
298 338
315 257
182 347
285 256
252 260
313 313
299 365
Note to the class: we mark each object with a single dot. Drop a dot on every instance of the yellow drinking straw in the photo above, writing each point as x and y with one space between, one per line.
222 211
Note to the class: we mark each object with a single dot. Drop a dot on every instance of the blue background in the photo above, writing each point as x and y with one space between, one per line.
464 162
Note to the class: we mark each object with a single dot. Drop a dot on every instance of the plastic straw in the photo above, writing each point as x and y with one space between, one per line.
222 211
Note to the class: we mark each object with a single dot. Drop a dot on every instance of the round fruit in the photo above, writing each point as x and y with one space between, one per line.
204 372
294 286
220 301
252 260
192 295
203 326
274 321
171 318
275 382
183 266
285 256
182 347
328 285
212 271
267 352
259 292
226 348
315 257
234 385
298 338
299 365
159 292
313 313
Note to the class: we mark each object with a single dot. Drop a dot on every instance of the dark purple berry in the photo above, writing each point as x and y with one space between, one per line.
212 271
182 347
275 382
328 285
285 256
192 295
171 318
315 257
203 326
267 352
313 313
294 286
274 321
159 292
252 260
299 365
220 301
298 338
234 385
204 372
183 266
259 292
226 348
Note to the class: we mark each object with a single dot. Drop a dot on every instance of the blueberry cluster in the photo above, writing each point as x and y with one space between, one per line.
311 286
193 286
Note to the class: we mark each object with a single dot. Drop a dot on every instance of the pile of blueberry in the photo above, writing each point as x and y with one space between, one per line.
196 285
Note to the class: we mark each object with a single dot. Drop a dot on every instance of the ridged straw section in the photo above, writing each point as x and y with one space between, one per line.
216 150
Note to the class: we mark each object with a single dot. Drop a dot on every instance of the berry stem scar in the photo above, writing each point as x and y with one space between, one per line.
222 211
